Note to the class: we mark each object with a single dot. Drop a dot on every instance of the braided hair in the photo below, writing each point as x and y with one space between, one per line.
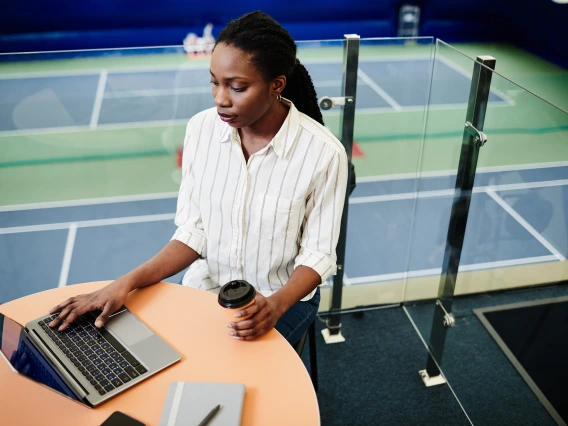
273 52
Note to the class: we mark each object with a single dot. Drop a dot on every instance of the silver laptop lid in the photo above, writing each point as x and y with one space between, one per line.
17 349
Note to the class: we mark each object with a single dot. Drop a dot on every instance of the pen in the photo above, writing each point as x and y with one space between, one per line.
209 416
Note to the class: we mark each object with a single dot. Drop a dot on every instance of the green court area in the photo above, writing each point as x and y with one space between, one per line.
109 125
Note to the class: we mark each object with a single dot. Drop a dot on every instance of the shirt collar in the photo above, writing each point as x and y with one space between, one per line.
284 139
226 133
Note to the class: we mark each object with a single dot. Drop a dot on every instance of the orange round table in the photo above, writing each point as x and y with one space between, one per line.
278 388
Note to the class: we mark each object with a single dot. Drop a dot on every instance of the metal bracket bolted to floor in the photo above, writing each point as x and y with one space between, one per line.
330 338
431 381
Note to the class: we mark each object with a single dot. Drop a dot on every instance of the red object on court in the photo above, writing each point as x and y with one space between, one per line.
179 156
357 151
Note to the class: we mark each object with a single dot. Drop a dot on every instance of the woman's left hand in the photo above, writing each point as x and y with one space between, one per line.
265 315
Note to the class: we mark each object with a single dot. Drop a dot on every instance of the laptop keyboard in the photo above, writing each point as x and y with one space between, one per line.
104 362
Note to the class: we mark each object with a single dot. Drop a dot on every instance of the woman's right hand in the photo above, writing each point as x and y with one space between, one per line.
108 299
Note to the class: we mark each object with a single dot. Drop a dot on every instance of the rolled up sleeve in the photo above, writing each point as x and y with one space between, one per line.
323 220
190 229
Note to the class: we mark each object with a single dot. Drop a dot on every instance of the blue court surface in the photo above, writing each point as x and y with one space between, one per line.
397 224
108 98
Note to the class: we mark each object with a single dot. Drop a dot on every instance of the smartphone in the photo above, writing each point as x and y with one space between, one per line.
120 419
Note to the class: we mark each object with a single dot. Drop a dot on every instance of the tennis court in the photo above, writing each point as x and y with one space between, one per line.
114 132
65 116
514 222
88 101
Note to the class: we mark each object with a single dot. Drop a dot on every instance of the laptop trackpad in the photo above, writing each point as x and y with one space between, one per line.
128 328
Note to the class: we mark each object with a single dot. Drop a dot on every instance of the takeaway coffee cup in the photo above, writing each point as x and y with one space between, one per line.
235 296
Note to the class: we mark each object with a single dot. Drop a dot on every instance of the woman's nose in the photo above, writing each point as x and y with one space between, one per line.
221 98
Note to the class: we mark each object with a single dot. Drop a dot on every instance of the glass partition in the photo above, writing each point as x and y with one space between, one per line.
90 169
89 165
515 243
392 96
97 136
89 124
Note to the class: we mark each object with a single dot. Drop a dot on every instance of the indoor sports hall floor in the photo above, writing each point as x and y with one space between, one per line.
513 223
69 217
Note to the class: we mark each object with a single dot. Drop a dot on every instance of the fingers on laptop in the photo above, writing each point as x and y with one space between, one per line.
103 317
74 307
69 311
70 314
61 306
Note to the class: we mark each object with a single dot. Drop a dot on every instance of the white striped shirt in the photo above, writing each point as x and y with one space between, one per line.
259 220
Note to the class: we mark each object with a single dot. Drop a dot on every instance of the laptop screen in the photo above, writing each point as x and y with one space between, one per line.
18 350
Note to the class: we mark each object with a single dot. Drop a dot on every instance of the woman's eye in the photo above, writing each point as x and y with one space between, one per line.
238 89
214 82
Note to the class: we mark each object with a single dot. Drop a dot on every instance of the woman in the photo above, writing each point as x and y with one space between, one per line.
262 190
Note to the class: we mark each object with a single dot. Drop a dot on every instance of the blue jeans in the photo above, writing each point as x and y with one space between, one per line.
294 323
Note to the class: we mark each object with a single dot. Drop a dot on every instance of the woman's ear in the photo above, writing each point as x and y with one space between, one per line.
278 84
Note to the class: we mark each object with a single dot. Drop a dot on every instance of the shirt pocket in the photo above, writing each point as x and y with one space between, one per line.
276 217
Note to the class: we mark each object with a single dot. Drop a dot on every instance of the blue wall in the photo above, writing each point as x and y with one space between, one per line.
32 25
79 24
537 25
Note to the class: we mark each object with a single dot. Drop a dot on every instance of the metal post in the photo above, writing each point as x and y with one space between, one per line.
473 140
332 334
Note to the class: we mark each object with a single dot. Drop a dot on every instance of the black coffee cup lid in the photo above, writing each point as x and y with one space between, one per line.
236 294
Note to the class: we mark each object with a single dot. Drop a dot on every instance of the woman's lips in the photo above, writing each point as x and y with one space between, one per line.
227 118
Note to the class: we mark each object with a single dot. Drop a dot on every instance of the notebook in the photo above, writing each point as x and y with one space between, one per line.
188 403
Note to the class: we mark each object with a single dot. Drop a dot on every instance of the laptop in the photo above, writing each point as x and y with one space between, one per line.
85 363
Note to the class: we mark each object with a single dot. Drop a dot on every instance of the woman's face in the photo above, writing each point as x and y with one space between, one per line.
241 93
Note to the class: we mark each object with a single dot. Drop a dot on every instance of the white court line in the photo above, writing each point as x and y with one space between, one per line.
119 94
523 185
378 89
395 59
189 66
327 83
359 200
49 74
449 192
402 196
111 126
366 59
184 66
168 216
363 111
43 131
440 173
67 255
157 92
113 49
525 224
90 201
98 99
458 69
417 108
528 166
405 176
462 268
89 223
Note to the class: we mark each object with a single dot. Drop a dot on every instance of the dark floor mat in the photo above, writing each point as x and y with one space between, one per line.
534 336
